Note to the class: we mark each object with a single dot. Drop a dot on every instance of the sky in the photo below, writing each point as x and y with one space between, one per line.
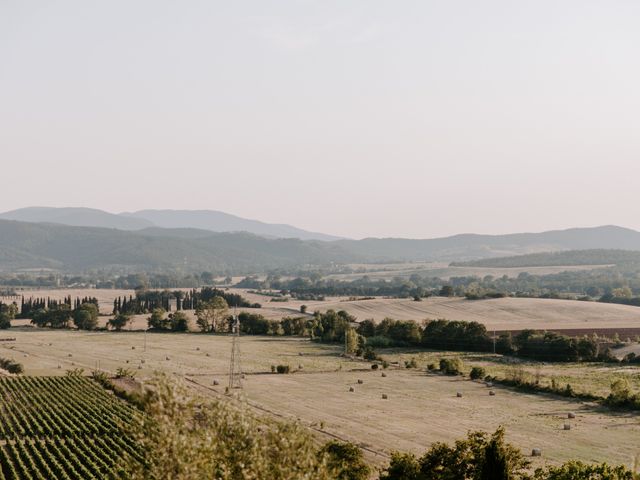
357 118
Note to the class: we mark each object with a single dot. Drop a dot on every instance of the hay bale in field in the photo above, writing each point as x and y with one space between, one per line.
571 415
142 361
216 382
208 355
567 426
126 361
492 393
139 367
133 347
167 357
351 389
360 382
536 452
459 395
384 374
69 355
384 396
197 349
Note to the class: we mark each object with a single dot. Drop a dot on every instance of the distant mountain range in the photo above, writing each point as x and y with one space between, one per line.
211 220
76 240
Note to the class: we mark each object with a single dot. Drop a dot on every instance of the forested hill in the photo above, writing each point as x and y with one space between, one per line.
619 258
40 245
472 247
78 249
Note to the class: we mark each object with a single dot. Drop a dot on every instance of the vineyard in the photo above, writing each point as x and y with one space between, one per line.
63 428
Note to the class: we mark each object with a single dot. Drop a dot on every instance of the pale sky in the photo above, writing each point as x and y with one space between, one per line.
356 118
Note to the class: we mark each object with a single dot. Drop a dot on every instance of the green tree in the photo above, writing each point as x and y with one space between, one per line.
119 321
212 315
179 322
7 313
85 317
158 320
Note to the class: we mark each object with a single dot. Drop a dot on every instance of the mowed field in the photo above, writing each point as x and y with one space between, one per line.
420 408
496 314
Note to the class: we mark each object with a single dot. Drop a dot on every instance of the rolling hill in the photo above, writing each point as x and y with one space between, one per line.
210 220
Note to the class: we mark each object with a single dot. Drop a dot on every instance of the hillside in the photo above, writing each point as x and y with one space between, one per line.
38 245
208 220
567 258
471 246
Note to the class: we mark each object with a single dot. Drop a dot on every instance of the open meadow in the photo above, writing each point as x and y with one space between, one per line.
420 409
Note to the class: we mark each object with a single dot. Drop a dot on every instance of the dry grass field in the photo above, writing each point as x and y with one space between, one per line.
420 408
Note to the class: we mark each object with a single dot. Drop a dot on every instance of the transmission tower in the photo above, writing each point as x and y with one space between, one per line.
235 372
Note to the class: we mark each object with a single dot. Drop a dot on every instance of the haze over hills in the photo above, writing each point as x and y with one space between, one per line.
71 248
210 220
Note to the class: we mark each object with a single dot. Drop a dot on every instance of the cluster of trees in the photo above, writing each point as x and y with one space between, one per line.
172 322
84 316
473 336
31 305
146 301
489 457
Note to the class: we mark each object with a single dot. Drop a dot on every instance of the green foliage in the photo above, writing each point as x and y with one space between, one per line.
456 335
622 396
330 326
85 317
185 437
74 372
451 366
11 366
158 320
212 315
179 322
411 363
283 369
119 321
477 457
7 313
477 373
345 461
575 470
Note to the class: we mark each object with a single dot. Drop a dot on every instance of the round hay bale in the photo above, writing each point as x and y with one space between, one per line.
216 382
384 396
208 355
197 349
384 374
567 426
139 367
351 389
492 393
459 394
167 357
127 361
360 382
73 364
69 355
571 415
536 452
142 361
299 366
133 348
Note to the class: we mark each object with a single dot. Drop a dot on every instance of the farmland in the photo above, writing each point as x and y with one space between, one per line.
421 408
496 314
62 427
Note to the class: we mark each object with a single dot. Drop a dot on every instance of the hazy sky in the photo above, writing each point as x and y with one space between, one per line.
358 118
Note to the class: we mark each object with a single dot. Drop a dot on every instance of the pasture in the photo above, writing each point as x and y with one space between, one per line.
420 409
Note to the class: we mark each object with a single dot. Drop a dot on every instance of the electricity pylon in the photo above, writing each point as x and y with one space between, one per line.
235 372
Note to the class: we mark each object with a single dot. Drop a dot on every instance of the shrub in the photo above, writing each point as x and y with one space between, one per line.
451 366
345 460
476 373
380 341
369 354
374 366
385 364
431 367
411 363
11 366
282 369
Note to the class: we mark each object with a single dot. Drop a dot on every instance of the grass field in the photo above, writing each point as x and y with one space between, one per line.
420 408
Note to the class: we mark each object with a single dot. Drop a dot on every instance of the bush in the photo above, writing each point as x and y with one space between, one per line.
11 366
431 367
477 373
411 363
283 369
369 354
451 366
345 460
